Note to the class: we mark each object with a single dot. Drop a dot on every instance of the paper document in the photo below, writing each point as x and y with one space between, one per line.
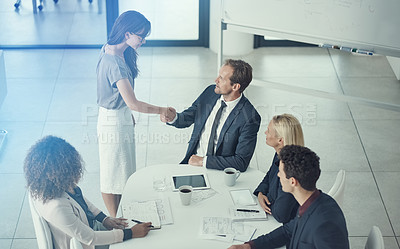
247 213
225 229
145 211
203 194
164 211
243 232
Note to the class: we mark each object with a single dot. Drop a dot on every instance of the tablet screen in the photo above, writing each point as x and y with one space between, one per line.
196 181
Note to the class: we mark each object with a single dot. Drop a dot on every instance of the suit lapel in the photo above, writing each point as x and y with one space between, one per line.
77 209
299 227
232 116
301 223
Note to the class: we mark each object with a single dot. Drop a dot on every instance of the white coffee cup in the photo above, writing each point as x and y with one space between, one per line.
230 176
185 192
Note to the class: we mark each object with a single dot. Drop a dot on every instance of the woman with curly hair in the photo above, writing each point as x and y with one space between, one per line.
52 170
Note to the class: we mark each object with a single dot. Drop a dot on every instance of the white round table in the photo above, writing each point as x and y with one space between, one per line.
184 232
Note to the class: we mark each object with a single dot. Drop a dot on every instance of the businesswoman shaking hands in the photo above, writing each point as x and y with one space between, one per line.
282 130
116 72
52 170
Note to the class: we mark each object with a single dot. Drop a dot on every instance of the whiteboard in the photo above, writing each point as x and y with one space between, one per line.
372 25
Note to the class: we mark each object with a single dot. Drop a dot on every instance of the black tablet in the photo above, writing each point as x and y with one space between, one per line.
197 181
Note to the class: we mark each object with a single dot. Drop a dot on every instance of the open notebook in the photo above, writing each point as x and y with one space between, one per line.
245 206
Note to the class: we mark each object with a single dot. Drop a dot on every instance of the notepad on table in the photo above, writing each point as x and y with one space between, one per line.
247 213
242 197
145 211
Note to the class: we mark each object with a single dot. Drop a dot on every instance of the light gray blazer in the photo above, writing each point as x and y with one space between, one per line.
67 219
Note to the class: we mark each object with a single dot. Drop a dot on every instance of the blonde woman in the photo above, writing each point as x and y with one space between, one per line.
282 130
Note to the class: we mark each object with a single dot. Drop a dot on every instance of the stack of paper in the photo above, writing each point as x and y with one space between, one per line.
247 213
225 229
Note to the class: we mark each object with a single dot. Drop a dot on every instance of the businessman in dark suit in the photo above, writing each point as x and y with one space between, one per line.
225 122
319 222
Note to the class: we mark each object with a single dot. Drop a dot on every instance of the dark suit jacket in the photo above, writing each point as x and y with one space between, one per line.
283 205
238 137
321 226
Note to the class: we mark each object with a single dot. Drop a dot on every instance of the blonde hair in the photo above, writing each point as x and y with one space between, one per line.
288 127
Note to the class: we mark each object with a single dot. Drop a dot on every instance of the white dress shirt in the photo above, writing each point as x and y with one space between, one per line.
205 134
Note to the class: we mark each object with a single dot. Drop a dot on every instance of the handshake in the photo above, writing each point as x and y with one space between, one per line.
167 114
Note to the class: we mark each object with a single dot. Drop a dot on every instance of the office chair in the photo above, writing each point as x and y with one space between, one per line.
34 4
375 239
42 229
337 190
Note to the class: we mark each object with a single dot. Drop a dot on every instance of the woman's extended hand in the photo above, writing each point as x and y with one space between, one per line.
167 114
117 223
264 202
140 230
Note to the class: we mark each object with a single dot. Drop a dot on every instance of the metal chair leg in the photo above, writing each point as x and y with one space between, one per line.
40 7
17 4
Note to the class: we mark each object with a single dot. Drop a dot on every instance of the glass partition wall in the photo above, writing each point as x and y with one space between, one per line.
174 22
84 24
171 20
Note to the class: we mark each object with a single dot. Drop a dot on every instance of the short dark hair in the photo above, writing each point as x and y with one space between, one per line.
302 164
52 167
242 73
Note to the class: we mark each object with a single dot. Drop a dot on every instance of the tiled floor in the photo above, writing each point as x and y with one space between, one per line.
68 22
54 92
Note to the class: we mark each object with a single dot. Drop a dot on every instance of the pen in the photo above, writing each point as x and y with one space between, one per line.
247 210
140 222
221 235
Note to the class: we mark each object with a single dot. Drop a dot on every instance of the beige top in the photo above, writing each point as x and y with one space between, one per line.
67 219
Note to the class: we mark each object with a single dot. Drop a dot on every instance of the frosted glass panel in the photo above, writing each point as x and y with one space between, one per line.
170 20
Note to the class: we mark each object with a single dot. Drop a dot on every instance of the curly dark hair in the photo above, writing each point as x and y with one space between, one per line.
52 167
302 164
242 73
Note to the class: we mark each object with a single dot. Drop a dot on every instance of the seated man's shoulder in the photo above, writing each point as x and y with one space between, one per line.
328 200
328 208
250 110
210 89
209 92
